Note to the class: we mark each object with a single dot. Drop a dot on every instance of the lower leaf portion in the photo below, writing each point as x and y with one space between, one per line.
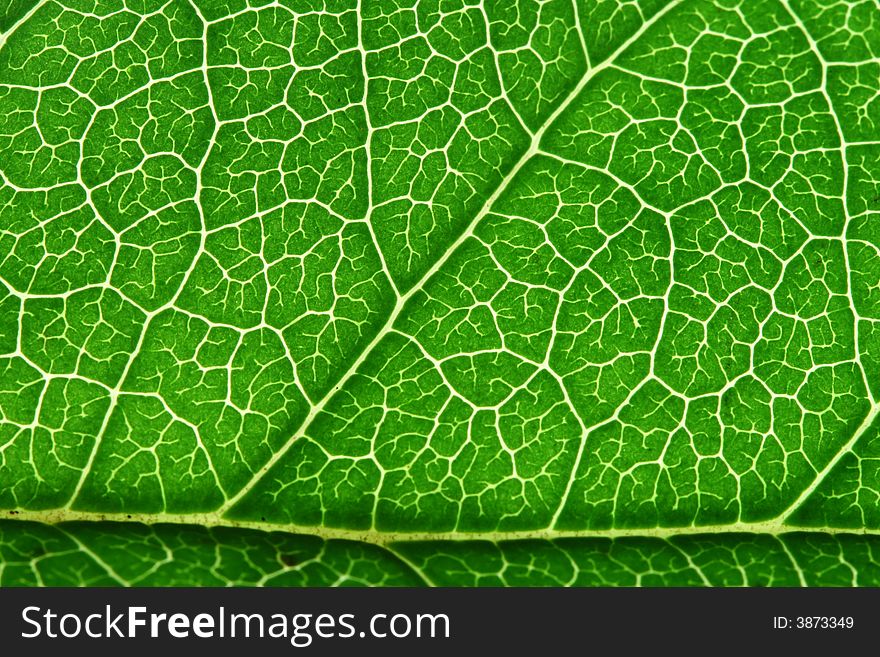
134 554
790 559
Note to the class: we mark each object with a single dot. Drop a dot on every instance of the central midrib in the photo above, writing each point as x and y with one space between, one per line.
382 538
402 300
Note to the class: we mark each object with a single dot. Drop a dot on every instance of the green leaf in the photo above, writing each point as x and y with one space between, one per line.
399 293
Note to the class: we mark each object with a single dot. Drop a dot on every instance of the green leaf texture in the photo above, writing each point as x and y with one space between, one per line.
318 292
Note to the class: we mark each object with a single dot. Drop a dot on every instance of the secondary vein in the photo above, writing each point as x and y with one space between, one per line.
402 300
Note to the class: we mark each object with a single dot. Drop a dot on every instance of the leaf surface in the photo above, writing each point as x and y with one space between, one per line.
439 292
